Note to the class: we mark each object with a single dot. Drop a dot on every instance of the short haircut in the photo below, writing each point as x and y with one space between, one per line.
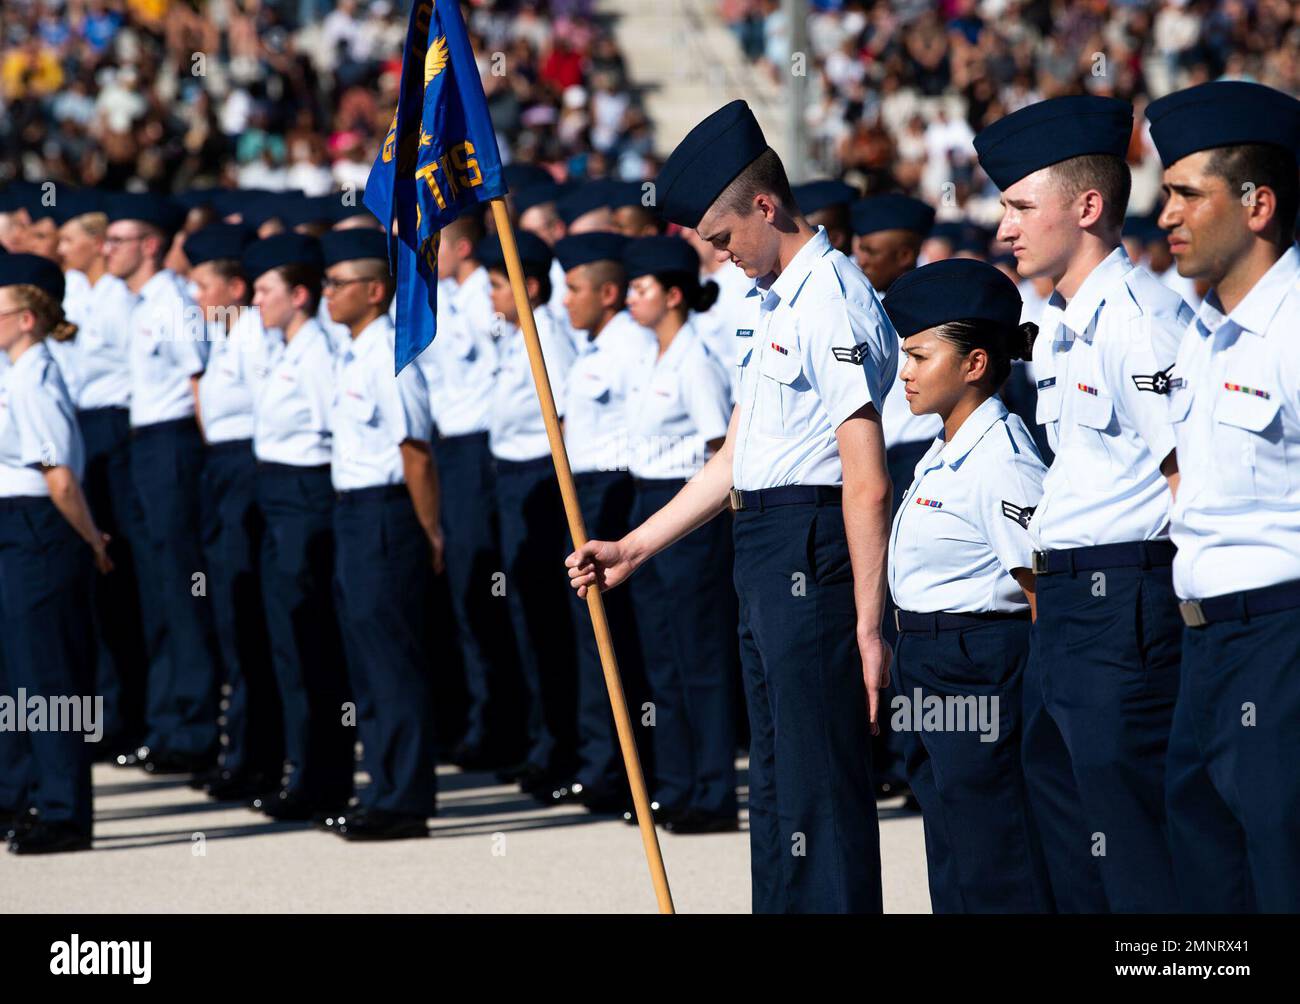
601 272
298 274
1105 172
228 268
765 174
1262 166
469 227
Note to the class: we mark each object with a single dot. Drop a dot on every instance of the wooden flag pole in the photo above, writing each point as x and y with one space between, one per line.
595 605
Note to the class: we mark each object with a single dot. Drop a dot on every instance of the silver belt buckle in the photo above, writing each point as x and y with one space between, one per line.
1193 615
737 503
1040 563
898 622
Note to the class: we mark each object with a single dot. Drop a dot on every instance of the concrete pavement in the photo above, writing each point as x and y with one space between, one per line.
161 847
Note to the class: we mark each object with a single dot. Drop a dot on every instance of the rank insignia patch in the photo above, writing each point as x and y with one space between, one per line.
1158 383
853 356
1018 514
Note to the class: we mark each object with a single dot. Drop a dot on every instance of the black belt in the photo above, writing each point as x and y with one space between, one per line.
1241 606
231 446
169 425
653 483
766 498
16 502
525 466
1132 554
906 620
351 495
271 467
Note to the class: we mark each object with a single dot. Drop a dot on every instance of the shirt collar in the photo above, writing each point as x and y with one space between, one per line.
475 285
371 335
160 280
786 286
302 340
977 423
1083 306
36 355
1258 307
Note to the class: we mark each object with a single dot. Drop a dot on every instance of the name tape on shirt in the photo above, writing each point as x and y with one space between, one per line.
1159 382
854 356
1018 514
1049 382
744 332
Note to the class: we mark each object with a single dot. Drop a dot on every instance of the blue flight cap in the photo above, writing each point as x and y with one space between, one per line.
350 245
18 195
217 241
155 210
281 249
32 270
891 212
521 176
660 256
583 249
584 199
974 238
814 196
956 289
708 160
533 253
1051 131
76 202
535 195
1223 113
309 209
194 198
951 231
627 193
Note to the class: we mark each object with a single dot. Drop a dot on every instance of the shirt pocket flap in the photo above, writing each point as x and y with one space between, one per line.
1245 411
1094 411
745 351
359 408
589 385
783 367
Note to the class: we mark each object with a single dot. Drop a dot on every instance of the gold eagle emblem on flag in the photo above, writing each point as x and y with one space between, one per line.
435 60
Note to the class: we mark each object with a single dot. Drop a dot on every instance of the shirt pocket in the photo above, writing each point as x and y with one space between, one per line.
779 372
1249 450
1048 409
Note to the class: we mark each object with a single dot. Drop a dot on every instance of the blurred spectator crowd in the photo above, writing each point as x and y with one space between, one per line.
898 88
165 95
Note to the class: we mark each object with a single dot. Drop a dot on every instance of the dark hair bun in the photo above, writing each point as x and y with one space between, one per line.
706 296
1022 342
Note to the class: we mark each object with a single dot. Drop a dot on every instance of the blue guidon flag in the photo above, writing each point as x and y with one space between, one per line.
440 158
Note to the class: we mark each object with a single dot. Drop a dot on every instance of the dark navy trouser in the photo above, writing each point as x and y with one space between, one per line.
605 498
232 538
686 610
889 749
1233 772
306 645
1099 701
534 542
813 832
166 464
128 625
980 848
471 526
45 571
382 580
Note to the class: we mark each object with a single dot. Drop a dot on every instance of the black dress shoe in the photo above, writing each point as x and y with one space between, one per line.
375 824
517 772
474 757
17 820
132 758
657 812
49 838
162 762
236 786
692 821
289 806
